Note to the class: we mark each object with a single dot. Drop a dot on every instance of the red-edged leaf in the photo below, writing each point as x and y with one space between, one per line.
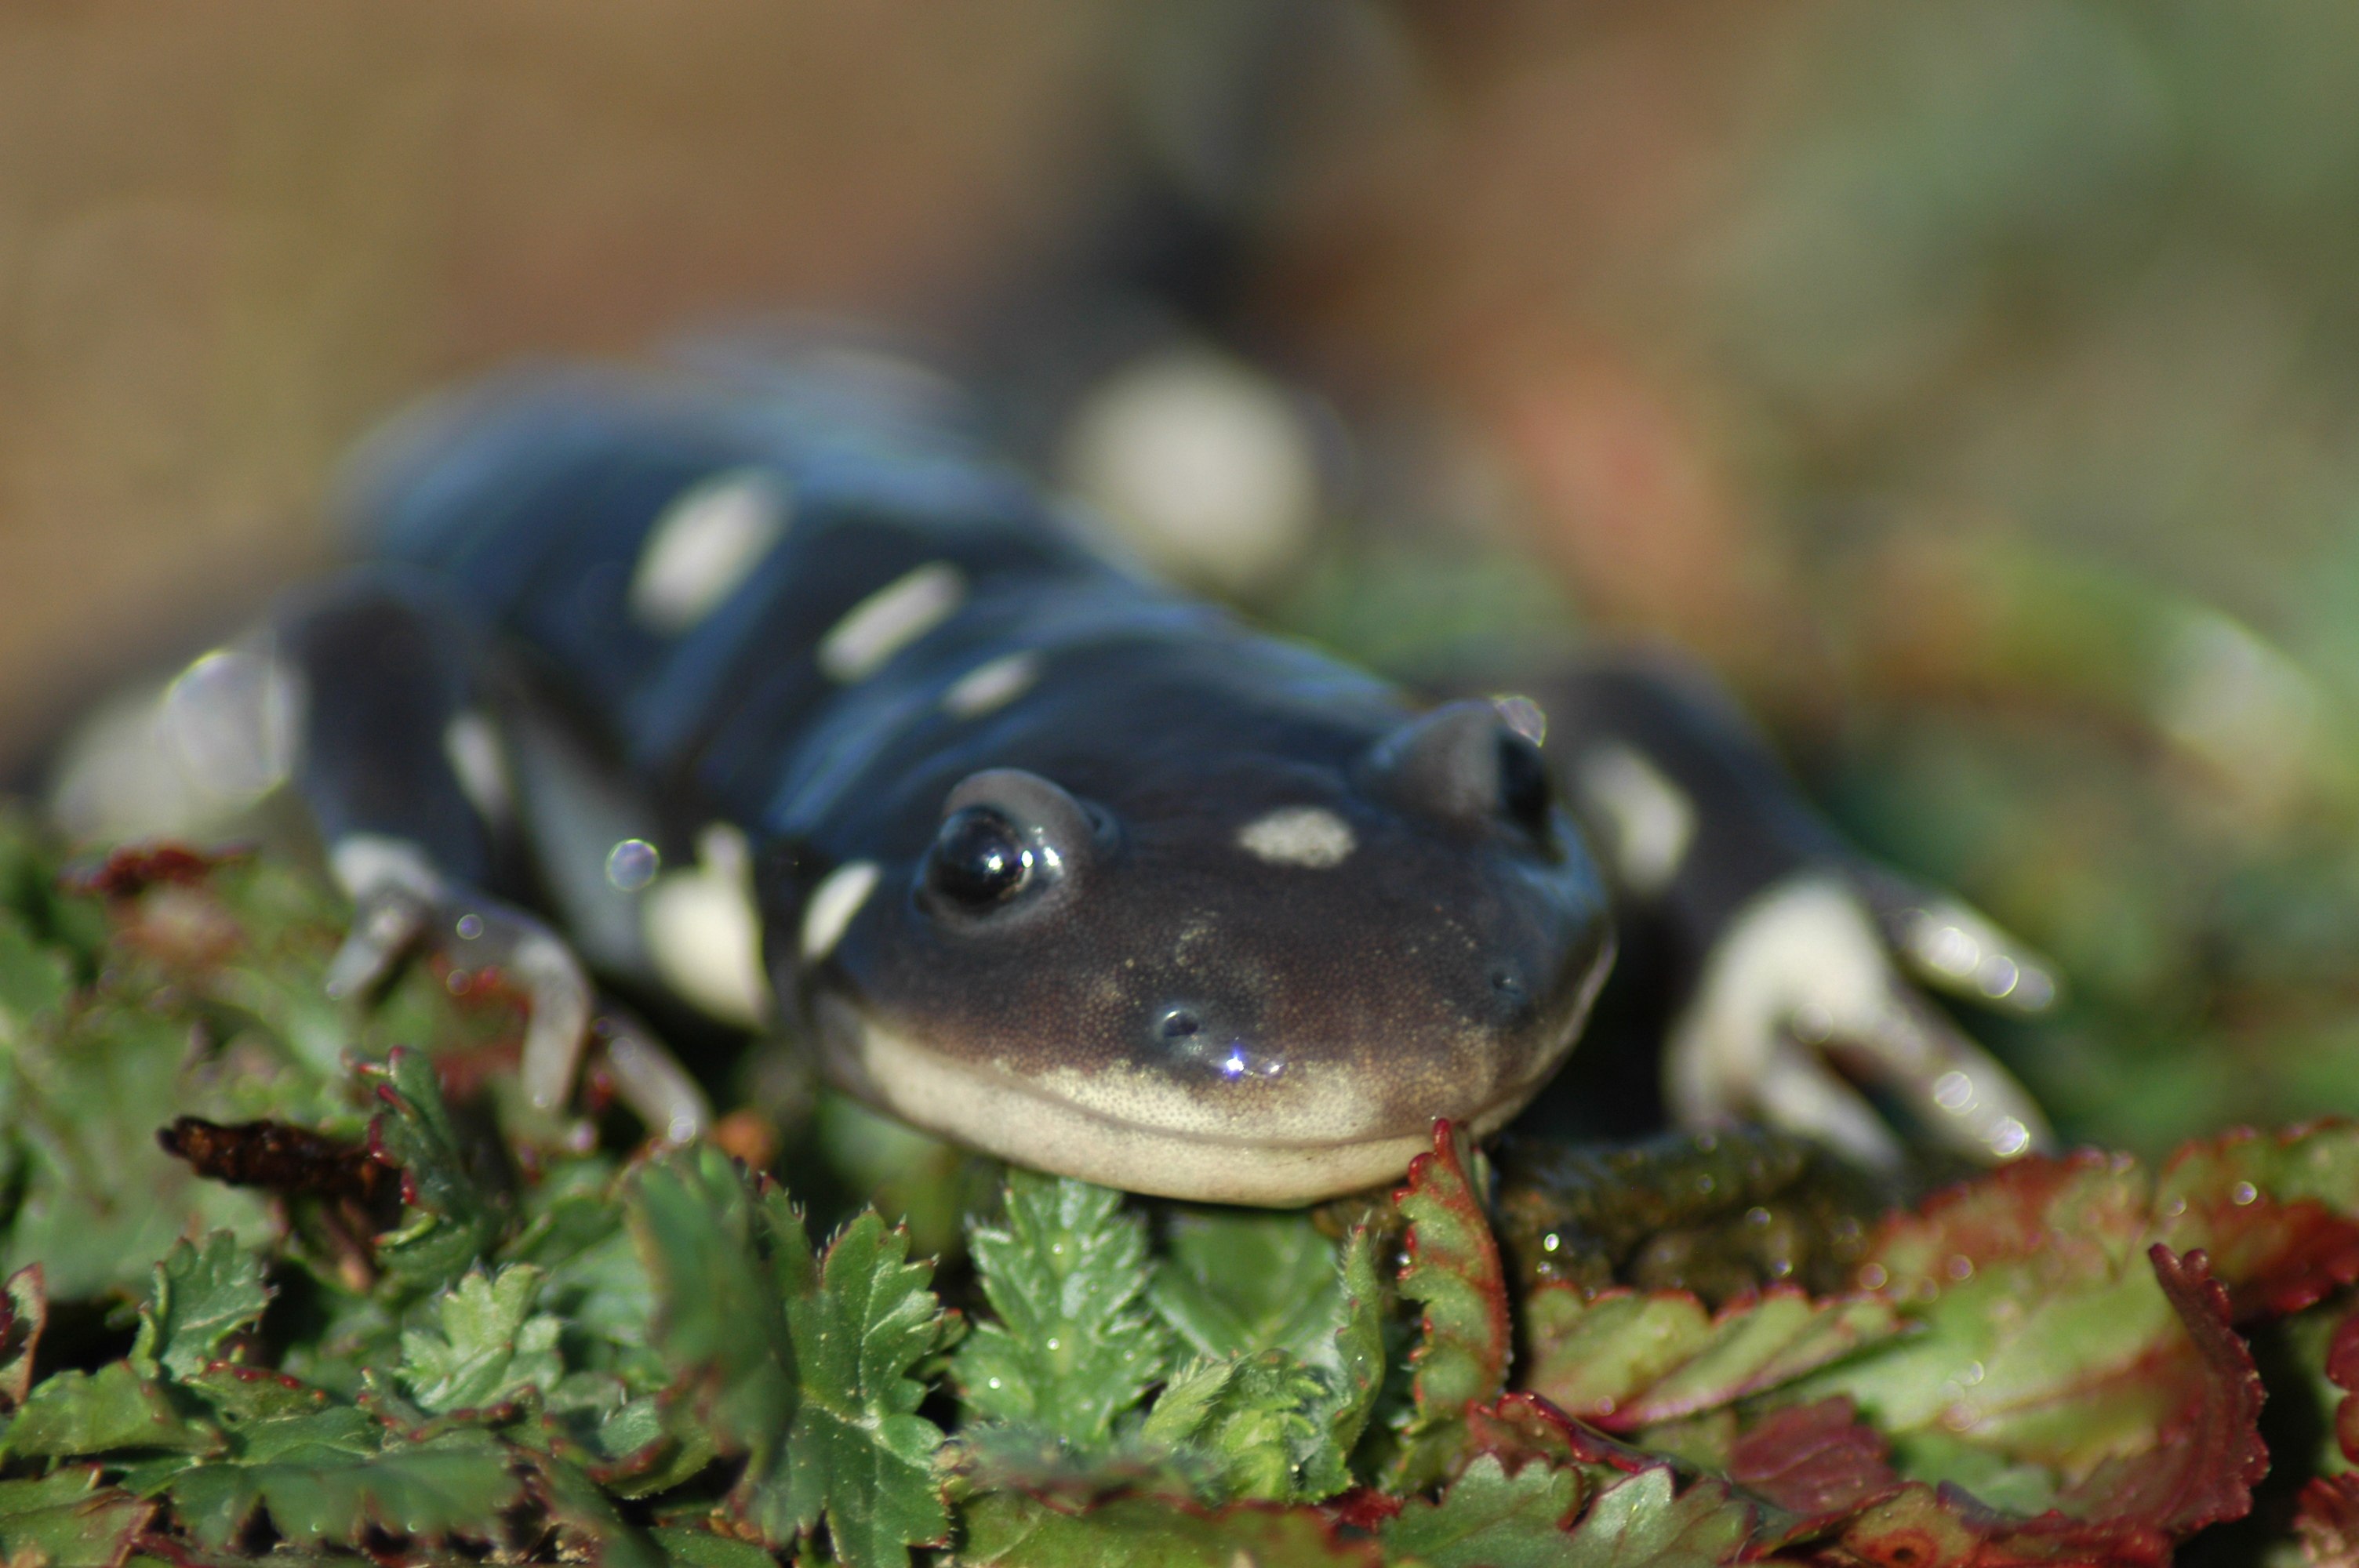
2343 1371
2275 1212
2326 1520
1818 1462
24 1314
1453 1271
2207 1460
1517 1427
1922 1528
1622 1359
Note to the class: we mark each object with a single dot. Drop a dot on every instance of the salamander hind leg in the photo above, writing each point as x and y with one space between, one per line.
405 770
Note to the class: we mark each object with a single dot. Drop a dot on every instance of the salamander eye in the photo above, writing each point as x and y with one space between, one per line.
1523 782
978 858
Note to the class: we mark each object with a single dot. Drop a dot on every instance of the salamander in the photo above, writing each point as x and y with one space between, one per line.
790 696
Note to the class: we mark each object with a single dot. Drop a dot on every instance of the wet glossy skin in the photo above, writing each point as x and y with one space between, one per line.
1217 917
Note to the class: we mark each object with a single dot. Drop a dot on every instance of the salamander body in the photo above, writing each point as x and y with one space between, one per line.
1047 859
788 697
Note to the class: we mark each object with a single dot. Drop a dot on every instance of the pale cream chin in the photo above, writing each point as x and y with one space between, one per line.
1018 1122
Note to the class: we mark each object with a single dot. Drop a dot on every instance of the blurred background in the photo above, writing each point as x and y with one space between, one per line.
1976 384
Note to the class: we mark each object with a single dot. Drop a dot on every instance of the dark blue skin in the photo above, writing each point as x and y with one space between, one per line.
1047 859
1148 1000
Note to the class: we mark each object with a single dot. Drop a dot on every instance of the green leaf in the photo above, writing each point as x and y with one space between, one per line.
489 1343
200 1296
110 1410
859 1443
1071 1349
1154 1532
1640 1523
1624 1359
690 1546
722 1258
449 1221
802 1367
590 1529
1258 1424
322 1478
1489 1519
67 1520
1453 1271
1351 1353
1237 1280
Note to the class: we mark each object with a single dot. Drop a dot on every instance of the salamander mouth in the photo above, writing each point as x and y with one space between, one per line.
1029 1122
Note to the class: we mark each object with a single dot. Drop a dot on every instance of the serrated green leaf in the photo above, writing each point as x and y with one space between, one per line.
489 1342
1453 1271
858 1444
1256 1422
1071 1348
67 1520
1489 1519
1624 1358
1351 1353
200 1296
111 1410
722 1258
1640 1523
802 1367
1154 1532
448 1222
322 1478
1237 1281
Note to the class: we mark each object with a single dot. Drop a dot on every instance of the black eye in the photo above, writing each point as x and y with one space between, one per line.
978 859
1523 782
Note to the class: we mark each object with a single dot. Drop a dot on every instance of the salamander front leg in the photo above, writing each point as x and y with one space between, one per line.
400 903
1795 959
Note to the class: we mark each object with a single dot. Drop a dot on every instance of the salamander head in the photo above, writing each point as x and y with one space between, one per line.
1245 978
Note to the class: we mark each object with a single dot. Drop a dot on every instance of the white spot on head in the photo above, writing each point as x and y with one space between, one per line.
832 904
889 620
473 748
703 934
1649 820
990 687
708 541
1307 836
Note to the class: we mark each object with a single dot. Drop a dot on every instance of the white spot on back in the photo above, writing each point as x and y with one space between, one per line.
473 748
703 934
832 904
990 687
1308 836
1650 820
363 863
708 541
889 620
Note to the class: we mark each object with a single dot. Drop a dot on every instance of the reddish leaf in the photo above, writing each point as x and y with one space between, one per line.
1922 1528
1816 1461
1453 1270
279 1157
134 868
2326 1520
1517 1427
24 1314
2275 1212
2343 1371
